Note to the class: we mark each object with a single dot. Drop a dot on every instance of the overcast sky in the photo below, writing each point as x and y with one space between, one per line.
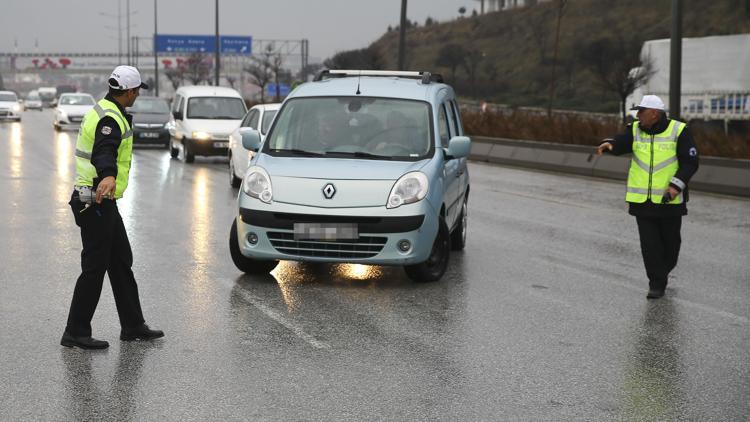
330 25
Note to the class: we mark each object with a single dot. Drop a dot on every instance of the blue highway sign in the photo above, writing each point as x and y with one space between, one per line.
203 44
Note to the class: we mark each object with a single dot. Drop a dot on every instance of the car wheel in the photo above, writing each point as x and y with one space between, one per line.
458 237
189 155
234 181
173 152
56 126
437 262
243 263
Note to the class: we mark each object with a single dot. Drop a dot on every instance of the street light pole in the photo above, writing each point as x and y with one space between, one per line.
675 60
156 60
401 37
119 32
217 46
127 26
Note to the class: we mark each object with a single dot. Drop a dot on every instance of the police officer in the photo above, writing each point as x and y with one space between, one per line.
664 159
103 155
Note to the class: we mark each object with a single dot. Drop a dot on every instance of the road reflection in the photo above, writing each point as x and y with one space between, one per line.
16 150
654 375
87 395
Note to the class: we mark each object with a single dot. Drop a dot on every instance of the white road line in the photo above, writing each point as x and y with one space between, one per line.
278 317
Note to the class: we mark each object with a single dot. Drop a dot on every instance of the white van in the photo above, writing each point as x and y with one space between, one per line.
202 119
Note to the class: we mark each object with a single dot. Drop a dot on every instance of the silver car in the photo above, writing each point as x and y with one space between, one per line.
364 167
259 118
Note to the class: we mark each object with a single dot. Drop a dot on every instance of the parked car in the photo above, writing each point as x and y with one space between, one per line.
10 108
202 119
258 118
364 167
150 115
71 109
33 101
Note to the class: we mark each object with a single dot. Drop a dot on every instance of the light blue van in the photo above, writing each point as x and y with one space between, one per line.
365 167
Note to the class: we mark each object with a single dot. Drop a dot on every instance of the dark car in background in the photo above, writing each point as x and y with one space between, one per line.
150 114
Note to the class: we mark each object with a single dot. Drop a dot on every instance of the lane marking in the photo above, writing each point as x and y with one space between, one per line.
278 317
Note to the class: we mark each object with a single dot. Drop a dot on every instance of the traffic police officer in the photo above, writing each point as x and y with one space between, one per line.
103 155
664 159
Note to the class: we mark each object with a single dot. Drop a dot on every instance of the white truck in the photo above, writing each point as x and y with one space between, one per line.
715 76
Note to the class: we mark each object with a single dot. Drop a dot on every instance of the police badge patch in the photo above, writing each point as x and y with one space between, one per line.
693 152
106 130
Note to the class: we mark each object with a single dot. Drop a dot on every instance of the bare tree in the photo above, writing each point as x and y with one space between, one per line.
451 56
197 68
175 75
275 62
365 58
617 66
471 65
260 71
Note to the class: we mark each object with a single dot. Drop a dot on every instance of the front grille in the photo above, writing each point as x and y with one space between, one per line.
364 247
75 119
285 221
4 113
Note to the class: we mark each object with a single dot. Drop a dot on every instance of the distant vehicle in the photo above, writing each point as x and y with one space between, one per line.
719 91
65 89
150 115
33 101
10 108
48 94
258 118
359 166
202 119
70 110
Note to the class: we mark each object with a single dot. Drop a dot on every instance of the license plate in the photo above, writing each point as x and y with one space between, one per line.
325 231
149 135
221 144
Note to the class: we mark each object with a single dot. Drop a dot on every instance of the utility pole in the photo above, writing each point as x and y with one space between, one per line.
675 60
119 32
218 46
127 26
156 60
402 37
560 11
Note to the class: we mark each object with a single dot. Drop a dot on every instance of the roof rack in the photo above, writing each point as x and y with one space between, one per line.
425 77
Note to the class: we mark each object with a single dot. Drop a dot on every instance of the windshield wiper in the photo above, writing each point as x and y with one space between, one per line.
359 154
298 152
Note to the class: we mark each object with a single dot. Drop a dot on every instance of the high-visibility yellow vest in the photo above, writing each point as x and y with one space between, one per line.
654 164
85 171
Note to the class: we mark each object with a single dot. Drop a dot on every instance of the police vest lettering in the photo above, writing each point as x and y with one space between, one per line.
85 171
654 164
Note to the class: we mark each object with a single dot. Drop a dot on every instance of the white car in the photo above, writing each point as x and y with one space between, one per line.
71 109
10 108
202 119
258 118
33 101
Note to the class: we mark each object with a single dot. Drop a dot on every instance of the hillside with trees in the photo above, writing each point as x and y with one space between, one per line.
510 57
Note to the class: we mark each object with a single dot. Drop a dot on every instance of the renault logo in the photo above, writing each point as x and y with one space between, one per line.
329 190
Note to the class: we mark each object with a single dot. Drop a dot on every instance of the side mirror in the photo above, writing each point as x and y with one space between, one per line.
177 115
250 139
459 147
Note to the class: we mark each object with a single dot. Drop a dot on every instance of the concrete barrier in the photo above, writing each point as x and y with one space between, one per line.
720 175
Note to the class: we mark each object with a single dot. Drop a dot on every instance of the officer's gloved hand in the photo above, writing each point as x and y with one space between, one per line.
670 194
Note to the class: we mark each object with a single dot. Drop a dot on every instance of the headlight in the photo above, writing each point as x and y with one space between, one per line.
201 136
16 107
257 184
62 114
411 187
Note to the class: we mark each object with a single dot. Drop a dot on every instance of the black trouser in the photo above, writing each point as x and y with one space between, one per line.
105 249
660 246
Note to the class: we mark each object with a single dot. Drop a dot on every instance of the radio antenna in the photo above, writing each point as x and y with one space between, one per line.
359 77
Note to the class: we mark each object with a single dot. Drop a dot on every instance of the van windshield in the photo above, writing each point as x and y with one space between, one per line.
219 108
353 127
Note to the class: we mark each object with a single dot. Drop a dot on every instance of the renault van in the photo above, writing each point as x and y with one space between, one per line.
364 167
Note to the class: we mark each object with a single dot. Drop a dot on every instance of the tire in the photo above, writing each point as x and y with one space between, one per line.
436 264
458 236
189 155
234 181
173 152
56 126
243 263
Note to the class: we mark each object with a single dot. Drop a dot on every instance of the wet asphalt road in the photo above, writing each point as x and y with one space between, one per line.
542 317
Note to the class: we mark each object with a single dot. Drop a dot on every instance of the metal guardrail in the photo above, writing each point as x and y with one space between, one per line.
717 175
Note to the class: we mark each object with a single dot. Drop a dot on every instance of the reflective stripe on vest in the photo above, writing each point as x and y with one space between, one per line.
85 171
654 163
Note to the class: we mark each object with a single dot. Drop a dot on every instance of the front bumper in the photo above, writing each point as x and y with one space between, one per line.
380 232
150 136
10 115
208 147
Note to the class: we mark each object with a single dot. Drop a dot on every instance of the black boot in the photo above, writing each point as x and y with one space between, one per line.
141 332
655 293
87 342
